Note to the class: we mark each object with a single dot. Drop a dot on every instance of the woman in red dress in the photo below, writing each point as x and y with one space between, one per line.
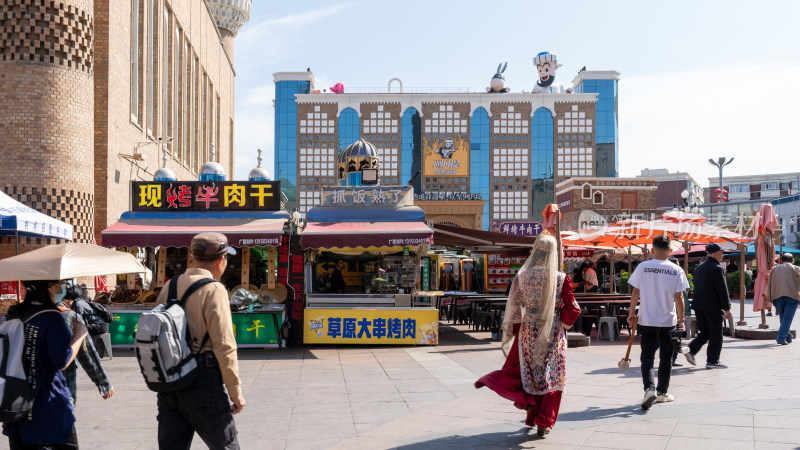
534 374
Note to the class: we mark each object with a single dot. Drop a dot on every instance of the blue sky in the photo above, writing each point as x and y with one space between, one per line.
698 79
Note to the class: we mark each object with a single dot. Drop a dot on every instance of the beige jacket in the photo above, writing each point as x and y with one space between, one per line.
784 281
208 310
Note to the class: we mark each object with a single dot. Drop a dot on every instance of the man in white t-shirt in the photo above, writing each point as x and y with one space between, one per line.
658 286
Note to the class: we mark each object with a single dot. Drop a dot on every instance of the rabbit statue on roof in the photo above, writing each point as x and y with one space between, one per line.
498 83
547 63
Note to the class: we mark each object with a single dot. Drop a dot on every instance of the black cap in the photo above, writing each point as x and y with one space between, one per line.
208 246
712 248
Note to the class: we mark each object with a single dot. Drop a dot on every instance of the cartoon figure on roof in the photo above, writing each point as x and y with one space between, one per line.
447 150
498 83
547 63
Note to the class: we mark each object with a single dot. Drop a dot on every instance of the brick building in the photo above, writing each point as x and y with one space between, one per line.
595 201
671 185
91 88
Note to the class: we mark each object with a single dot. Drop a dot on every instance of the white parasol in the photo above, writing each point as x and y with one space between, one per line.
70 260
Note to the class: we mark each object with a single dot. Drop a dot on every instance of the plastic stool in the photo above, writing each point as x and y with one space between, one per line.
690 322
611 328
102 342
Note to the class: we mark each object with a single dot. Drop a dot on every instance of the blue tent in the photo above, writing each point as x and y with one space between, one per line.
17 219
751 251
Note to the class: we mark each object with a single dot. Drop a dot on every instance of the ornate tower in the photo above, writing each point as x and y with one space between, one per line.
230 15
47 108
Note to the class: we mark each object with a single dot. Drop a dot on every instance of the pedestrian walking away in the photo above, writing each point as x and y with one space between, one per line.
51 346
658 286
710 303
539 310
783 290
207 405
69 302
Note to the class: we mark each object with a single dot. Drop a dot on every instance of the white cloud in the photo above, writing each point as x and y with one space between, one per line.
680 120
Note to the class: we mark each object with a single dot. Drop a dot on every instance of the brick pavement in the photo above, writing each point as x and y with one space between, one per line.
422 398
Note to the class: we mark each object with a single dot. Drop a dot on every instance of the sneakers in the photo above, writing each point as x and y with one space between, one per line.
649 398
689 355
783 342
665 398
716 365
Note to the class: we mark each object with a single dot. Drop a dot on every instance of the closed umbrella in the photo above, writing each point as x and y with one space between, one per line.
764 223
70 260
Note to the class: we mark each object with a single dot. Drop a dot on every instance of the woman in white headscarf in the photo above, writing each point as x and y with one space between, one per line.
539 310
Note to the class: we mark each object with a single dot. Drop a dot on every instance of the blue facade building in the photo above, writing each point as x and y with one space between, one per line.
473 158
605 85
286 86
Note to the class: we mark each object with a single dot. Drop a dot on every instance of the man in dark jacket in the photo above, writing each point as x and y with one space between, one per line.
710 300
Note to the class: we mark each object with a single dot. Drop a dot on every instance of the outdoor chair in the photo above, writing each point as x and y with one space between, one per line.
608 328
588 318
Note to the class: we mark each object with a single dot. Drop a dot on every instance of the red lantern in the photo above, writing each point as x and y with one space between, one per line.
724 191
717 191
717 197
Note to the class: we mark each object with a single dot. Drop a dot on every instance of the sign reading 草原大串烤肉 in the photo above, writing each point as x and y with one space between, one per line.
390 196
205 196
371 326
445 156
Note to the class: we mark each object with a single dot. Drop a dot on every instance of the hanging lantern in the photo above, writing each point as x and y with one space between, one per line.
724 191
717 191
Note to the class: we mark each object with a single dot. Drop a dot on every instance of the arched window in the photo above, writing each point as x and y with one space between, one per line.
410 147
480 157
349 128
597 198
541 160
586 191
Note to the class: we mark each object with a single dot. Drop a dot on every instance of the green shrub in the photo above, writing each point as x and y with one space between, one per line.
622 285
734 281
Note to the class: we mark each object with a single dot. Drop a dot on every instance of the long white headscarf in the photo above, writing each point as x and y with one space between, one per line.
532 296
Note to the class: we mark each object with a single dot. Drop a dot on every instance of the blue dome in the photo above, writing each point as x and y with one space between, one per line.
259 174
212 171
165 174
358 148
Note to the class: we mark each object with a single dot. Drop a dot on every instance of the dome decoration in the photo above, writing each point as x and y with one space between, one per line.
164 173
231 14
259 173
357 156
212 170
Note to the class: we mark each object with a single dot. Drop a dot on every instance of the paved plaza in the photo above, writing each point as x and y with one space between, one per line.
423 398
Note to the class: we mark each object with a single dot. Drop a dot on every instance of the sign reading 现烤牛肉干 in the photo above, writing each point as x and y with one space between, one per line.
517 228
205 196
371 326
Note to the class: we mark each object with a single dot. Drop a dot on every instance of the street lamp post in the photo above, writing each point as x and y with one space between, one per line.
720 163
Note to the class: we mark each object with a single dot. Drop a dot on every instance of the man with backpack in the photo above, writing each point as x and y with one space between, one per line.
94 315
204 406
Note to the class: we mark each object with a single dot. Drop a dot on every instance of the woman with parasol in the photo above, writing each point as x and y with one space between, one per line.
539 310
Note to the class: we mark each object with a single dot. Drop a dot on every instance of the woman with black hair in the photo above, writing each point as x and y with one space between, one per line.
51 423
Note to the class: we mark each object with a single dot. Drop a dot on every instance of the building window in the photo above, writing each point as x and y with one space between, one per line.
204 112
167 81
597 198
136 60
178 64
739 188
200 154
770 186
152 58
217 133
349 127
586 191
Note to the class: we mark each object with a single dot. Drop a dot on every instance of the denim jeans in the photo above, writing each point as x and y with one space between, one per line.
785 307
656 338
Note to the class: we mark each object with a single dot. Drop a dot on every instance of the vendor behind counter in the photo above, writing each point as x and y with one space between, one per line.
364 273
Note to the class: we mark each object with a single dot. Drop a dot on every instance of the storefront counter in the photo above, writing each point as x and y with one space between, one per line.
257 329
383 326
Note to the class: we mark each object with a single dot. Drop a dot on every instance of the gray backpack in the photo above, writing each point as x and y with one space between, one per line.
163 342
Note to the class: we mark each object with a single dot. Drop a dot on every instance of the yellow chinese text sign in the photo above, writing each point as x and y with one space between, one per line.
371 326
446 156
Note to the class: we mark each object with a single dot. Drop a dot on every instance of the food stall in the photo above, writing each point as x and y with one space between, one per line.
166 214
363 247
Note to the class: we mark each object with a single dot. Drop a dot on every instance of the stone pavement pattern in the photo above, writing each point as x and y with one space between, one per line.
423 398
